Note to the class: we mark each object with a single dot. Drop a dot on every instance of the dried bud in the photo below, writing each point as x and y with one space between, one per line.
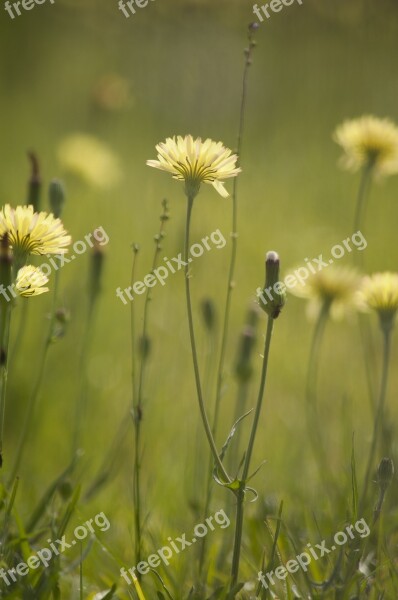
208 313
34 184
56 193
273 297
385 473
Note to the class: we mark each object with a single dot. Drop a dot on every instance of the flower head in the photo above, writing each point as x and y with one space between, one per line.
380 293
196 162
369 141
33 233
30 281
91 159
334 288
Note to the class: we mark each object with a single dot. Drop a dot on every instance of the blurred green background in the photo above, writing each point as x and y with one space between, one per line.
181 63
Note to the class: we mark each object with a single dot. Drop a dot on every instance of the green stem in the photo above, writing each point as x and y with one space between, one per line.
362 197
5 321
234 237
248 456
202 408
38 384
380 410
313 422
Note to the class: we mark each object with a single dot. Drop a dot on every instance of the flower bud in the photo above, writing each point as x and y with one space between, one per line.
208 313
273 298
385 473
34 184
56 194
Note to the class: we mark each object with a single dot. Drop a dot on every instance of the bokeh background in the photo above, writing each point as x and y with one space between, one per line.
175 67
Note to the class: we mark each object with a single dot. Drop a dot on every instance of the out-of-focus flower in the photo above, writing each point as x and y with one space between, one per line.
334 288
31 281
379 292
196 162
112 93
369 141
89 158
30 232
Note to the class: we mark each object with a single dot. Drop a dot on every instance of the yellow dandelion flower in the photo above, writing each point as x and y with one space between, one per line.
31 281
196 162
379 292
369 141
334 288
33 233
91 159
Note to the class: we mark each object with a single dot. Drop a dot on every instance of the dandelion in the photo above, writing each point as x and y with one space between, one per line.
31 281
369 141
91 159
380 293
196 162
333 290
33 233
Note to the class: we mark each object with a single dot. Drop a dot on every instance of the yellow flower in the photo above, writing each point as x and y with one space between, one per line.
369 141
334 288
89 158
33 233
196 162
379 292
30 282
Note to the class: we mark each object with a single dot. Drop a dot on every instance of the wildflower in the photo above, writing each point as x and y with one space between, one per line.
30 232
369 141
196 162
30 281
89 158
334 288
273 288
380 293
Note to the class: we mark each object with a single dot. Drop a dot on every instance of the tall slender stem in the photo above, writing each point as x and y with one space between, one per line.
313 424
380 410
362 198
248 456
34 395
5 321
202 408
234 234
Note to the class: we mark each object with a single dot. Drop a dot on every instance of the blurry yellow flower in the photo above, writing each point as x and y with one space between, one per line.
196 162
369 141
89 158
30 282
334 288
379 292
33 233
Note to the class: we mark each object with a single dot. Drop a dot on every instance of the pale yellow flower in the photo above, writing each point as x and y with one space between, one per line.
196 162
33 233
89 158
369 141
31 281
379 292
333 287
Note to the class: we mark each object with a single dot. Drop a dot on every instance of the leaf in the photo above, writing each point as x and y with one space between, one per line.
231 435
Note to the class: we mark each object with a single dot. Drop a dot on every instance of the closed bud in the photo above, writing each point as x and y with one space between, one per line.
208 313
96 268
247 342
385 473
34 184
56 193
273 297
